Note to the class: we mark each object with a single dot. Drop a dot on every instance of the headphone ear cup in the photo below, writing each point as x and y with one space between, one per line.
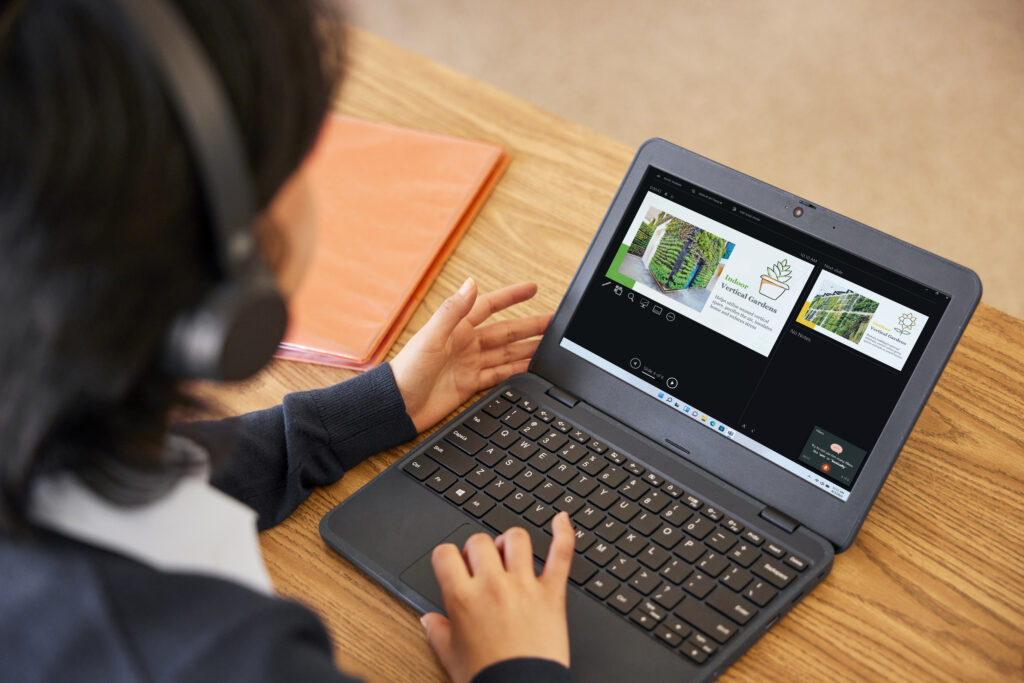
232 335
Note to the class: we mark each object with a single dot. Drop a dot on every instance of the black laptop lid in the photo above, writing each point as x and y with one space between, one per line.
782 347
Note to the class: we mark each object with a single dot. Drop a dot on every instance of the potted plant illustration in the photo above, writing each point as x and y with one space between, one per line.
773 282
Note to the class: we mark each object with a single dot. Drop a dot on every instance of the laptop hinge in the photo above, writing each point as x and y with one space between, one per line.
563 396
780 519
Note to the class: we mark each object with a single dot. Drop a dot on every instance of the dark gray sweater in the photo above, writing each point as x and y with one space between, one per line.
70 611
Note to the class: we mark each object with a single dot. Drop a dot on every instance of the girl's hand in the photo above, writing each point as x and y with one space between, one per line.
455 355
497 607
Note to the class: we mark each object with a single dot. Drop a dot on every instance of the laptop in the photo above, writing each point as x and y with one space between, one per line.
717 403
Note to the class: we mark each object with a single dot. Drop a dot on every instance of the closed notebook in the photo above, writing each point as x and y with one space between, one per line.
392 204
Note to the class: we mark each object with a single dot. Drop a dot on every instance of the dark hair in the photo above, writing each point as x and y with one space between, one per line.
103 238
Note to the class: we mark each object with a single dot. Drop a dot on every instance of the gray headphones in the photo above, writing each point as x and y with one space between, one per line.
237 327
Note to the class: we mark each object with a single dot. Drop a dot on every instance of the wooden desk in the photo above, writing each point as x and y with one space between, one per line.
933 587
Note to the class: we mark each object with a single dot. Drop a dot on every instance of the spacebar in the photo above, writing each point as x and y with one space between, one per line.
501 518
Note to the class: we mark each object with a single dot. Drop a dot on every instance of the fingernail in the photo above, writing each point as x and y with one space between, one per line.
423 621
466 286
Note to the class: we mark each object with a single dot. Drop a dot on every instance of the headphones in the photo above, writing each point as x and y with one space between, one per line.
236 328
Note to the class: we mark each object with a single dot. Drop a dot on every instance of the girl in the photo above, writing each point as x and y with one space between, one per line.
125 553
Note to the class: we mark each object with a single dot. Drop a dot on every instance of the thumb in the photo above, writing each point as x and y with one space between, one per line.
439 635
452 311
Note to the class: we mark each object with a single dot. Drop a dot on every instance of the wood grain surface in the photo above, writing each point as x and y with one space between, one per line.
933 587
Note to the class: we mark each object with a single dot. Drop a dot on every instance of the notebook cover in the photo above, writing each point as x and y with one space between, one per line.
392 204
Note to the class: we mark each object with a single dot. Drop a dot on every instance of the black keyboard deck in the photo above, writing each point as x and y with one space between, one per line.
679 568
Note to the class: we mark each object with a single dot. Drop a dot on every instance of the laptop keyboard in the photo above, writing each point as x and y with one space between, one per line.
676 566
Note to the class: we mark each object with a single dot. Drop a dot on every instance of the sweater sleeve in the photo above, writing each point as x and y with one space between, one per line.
531 669
279 455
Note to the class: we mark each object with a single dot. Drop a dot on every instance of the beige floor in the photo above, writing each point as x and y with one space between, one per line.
906 115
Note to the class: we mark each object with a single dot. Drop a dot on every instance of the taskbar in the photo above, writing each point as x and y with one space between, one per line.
706 420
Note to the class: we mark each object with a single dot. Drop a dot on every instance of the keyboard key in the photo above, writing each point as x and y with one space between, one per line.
655 501
667 537
510 395
572 453
490 456
528 479
692 501
676 514
615 457
581 571
569 502
533 429
420 467
579 435
704 643
753 537
515 418
631 543
540 513
523 449
654 557
561 425
509 467
497 407
483 424
602 585
705 619
666 636
552 441
698 584
774 572
675 571
480 477
654 610
542 461
624 510
645 523
603 498
721 541
689 549
760 593
460 493
610 530
635 467
712 563
589 517
478 505
672 490
623 567
598 447
450 457
563 473
583 485
744 554
601 553
677 626
527 405
699 527
441 480
732 525
544 415
693 651
645 580
584 539
624 599
505 437
736 578
519 501
503 519
731 605
645 620
776 550
613 477
796 563
592 465
667 595
499 488
634 488
465 439
712 513
548 492
653 479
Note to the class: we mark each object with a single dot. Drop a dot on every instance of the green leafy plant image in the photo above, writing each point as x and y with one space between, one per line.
685 257
781 271
643 234
845 313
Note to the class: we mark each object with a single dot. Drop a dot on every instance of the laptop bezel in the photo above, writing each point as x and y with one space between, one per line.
836 520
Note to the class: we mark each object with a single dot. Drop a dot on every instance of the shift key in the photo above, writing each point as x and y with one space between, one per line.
451 458
465 439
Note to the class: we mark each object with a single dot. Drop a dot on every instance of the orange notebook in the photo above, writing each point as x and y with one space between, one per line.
392 204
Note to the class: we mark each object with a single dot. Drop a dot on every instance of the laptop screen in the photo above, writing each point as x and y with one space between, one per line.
791 347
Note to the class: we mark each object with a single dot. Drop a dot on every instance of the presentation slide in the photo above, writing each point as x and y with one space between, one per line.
876 326
679 261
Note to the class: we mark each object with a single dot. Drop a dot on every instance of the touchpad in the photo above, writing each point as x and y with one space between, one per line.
420 574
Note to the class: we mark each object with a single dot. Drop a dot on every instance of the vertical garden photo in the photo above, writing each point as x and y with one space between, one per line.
676 258
840 310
